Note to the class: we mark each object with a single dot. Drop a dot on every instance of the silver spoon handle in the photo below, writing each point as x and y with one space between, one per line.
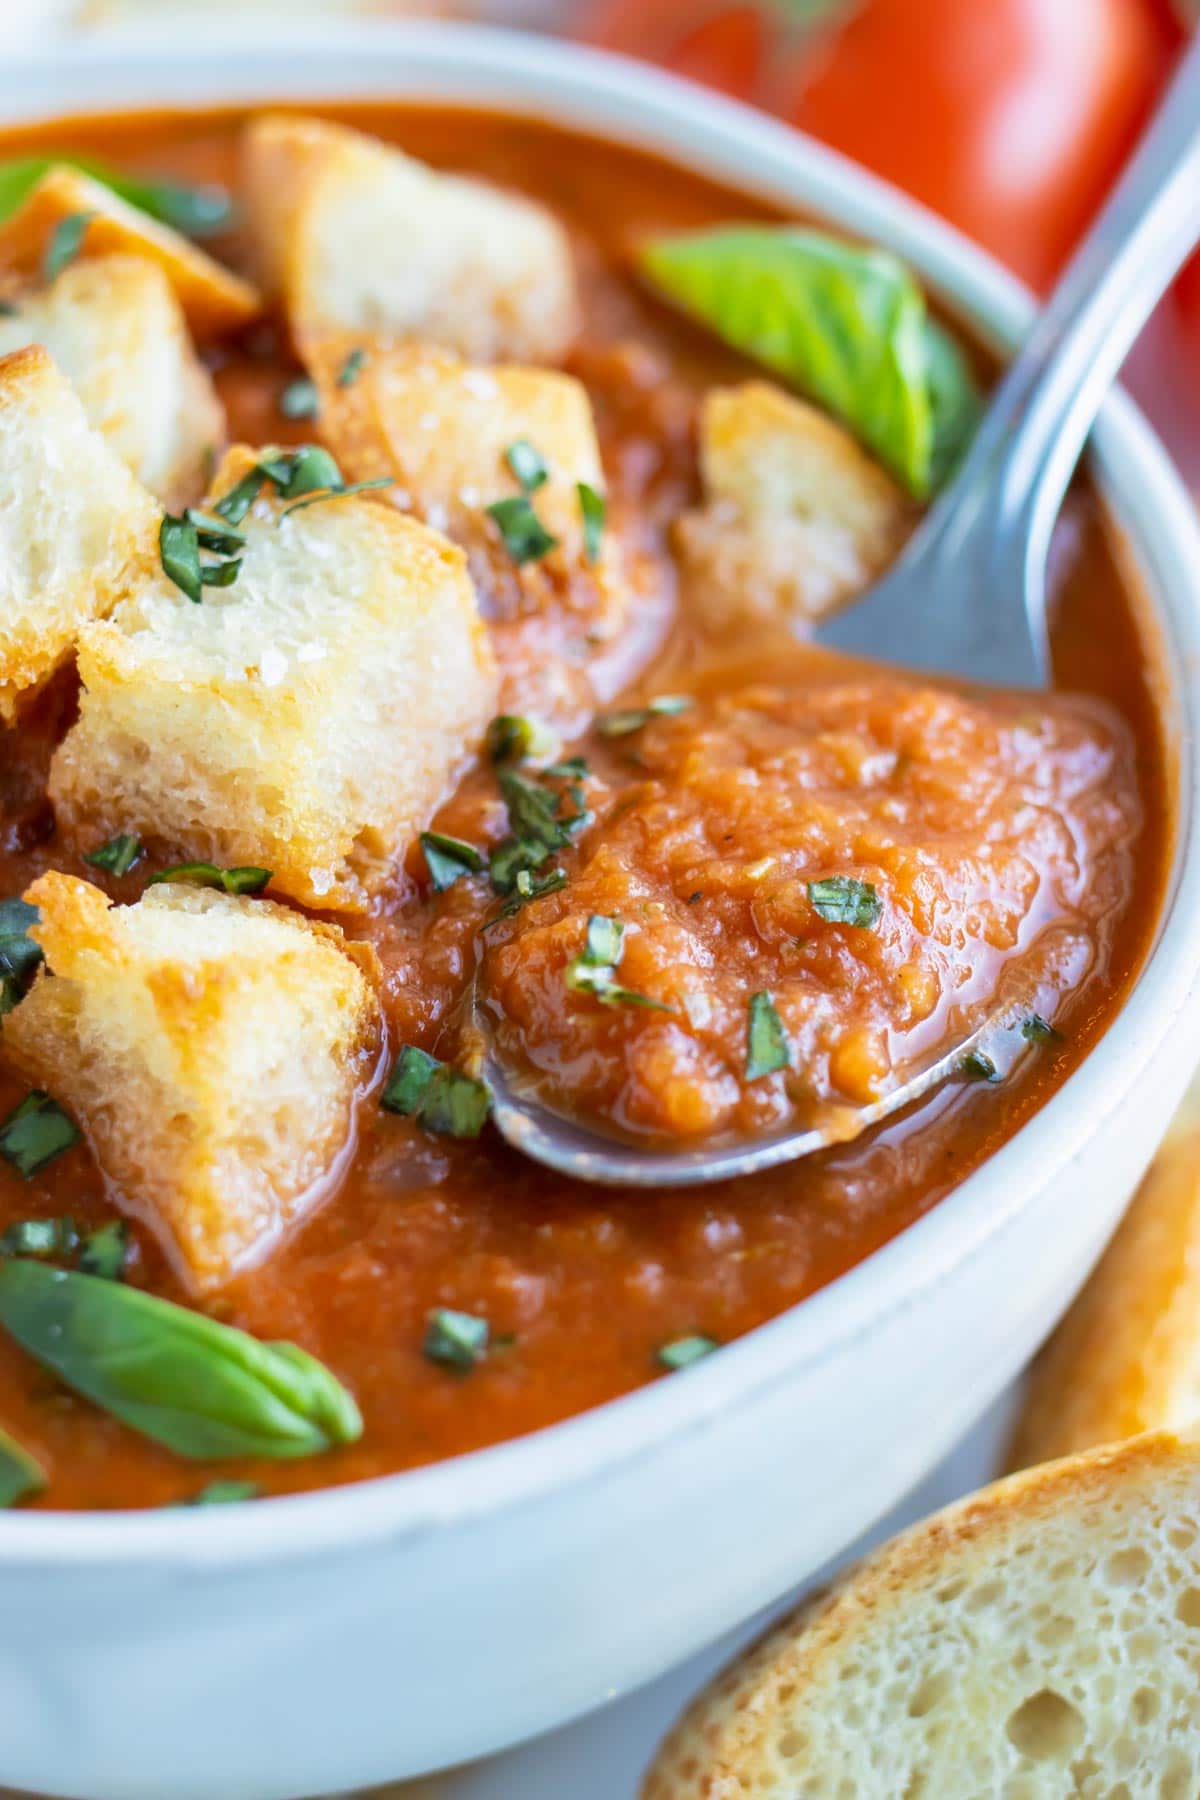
1043 409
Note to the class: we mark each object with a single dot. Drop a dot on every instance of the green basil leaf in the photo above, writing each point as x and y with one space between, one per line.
35 1132
66 241
458 1340
20 1475
528 465
196 211
104 1251
683 1352
20 954
848 326
526 886
766 1045
1036 1030
594 510
514 738
843 900
449 858
352 368
338 493
201 1388
179 553
978 1066
300 399
214 533
605 940
664 706
525 537
586 977
439 1097
117 856
244 880
40 1237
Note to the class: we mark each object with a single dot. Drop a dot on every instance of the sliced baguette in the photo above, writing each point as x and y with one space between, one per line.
1038 1640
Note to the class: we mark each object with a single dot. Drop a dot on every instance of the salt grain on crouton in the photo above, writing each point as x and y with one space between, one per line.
306 719
352 233
211 1046
117 332
76 529
797 518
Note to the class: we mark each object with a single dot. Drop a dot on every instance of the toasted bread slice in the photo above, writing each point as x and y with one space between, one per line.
117 332
1127 1356
211 1046
306 719
1038 1640
353 234
797 517
76 529
215 301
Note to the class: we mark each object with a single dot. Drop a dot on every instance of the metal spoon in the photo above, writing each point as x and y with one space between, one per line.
967 598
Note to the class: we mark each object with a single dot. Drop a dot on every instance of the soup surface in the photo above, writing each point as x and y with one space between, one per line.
981 822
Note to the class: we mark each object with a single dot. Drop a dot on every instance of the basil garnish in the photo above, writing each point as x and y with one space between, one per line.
20 1475
457 1340
201 1388
684 1351
242 880
117 856
448 858
104 1251
594 510
35 1132
528 886
66 241
595 971
438 1097
351 369
1036 1030
514 738
664 706
300 399
978 1066
528 465
20 954
196 211
224 1493
843 900
180 541
766 1041
40 1237
525 537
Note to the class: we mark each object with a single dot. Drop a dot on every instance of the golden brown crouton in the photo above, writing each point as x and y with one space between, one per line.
306 719
211 1046
117 332
354 234
797 517
214 300
76 529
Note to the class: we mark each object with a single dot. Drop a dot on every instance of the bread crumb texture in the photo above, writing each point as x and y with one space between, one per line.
306 719
212 1048
1036 1642
352 233
76 529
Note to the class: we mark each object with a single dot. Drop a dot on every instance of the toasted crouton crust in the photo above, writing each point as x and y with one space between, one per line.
797 517
116 330
211 1046
354 234
307 719
1036 1639
76 529
214 300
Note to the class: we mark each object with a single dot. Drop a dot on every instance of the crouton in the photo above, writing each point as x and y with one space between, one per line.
116 330
354 234
214 300
76 529
797 518
306 719
211 1046
1034 1641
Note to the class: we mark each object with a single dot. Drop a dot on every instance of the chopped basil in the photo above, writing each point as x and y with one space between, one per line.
35 1132
594 510
242 880
201 1388
527 886
292 473
440 1098
620 724
605 940
40 1237
198 212
20 1475
225 1493
20 954
528 465
118 855
179 553
525 537
979 1067
352 368
843 900
533 810
449 858
594 972
300 399
105 1251
766 1041
513 738
682 1352
1036 1030
215 533
66 241
457 1340
337 493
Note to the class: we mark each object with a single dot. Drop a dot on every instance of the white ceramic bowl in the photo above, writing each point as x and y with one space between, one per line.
402 1625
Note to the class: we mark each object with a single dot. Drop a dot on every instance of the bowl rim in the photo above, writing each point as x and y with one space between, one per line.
613 97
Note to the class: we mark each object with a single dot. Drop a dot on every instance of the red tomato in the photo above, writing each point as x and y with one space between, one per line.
1009 117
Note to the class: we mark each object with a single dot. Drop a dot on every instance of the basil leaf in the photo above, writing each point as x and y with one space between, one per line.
664 706
351 369
40 1237
338 493
589 978
1036 1030
594 510
843 900
513 738
242 880
300 399
20 1475
683 1352
525 537
527 886
201 1388
448 858
105 1250
66 241
528 465
458 1340
605 940
440 1098
224 1493
214 533
179 554
20 954
766 1043
35 1132
847 326
977 1066
117 856
196 211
